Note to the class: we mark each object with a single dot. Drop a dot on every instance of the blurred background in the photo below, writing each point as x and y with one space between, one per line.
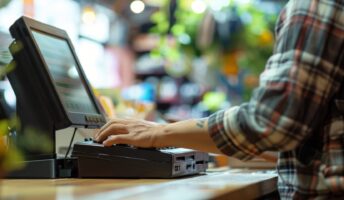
181 58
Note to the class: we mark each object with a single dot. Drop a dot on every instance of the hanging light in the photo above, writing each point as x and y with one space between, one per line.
88 15
137 6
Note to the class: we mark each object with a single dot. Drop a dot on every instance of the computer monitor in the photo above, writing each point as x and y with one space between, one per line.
68 79
52 92
47 66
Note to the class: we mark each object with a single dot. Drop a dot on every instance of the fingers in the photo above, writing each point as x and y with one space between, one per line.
111 129
126 131
118 139
110 123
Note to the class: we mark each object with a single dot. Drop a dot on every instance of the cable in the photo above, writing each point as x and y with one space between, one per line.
66 169
70 144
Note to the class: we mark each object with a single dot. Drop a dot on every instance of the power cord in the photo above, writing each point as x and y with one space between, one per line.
70 144
66 170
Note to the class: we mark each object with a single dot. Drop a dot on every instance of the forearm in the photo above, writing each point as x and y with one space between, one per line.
191 134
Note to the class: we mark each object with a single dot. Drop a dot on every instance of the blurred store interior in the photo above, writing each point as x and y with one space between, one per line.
158 59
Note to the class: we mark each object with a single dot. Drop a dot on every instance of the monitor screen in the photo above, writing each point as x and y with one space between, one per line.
62 67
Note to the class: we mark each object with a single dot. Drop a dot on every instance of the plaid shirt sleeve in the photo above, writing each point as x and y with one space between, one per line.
297 85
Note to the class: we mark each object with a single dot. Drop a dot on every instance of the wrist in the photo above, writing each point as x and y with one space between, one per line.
163 136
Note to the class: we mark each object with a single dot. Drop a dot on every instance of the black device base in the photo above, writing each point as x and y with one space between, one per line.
118 161
46 169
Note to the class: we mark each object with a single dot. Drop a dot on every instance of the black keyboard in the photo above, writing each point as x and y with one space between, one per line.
126 145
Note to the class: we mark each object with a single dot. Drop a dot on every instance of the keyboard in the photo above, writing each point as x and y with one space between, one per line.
124 161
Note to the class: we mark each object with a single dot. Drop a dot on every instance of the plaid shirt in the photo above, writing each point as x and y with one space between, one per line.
293 111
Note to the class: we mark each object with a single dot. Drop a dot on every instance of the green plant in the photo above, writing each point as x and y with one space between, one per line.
246 48
31 139
178 39
10 156
253 38
256 38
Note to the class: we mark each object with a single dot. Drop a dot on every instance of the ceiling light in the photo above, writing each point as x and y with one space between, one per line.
137 6
88 15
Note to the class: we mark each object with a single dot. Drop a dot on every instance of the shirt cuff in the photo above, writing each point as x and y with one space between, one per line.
224 130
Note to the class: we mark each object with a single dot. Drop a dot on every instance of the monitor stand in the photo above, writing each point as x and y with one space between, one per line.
36 120
38 163
46 169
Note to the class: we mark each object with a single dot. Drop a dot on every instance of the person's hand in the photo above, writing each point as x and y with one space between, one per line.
192 134
136 132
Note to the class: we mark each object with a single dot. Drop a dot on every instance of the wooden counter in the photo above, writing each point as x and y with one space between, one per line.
215 184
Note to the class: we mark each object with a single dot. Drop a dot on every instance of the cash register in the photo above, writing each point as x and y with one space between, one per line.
53 93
